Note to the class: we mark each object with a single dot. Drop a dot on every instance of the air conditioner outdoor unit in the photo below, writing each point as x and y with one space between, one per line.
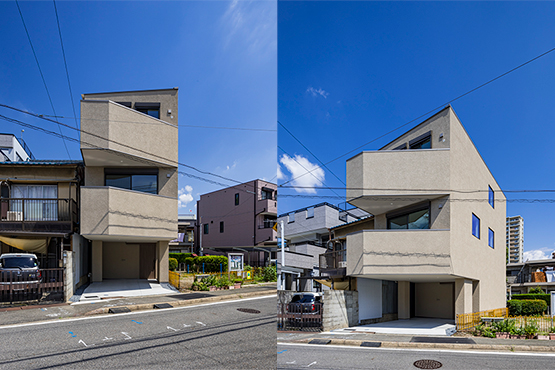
15 216
342 264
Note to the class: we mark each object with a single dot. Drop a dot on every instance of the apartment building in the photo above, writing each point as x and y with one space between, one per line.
306 231
129 144
239 218
515 238
185 241
435 235
13 149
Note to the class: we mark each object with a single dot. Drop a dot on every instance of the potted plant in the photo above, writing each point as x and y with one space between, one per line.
237 283
531 329
543 336
517 333
552 333
503 328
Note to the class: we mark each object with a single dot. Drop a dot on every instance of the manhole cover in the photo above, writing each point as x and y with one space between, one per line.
428 364
248 310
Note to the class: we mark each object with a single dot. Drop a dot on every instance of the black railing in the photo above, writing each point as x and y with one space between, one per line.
32 214
267 224
300 316
15 286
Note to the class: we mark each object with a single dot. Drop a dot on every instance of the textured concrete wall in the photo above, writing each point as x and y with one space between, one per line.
340 309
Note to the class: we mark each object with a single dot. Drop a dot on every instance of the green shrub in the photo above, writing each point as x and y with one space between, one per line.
269 273
189 261
531 328
180 257
505 326
545 297
526 307
536 290
211 263
173 264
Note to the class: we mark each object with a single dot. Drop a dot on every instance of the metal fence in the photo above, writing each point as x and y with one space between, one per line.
299 316
14 288
175 278
467 321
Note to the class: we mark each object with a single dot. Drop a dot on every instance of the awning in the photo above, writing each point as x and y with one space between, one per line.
28 245
337 285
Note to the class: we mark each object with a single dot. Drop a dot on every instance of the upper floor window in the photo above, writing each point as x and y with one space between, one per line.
422 142
310 212
475 226
152 109
267 193
143 180
491 198
205 228
291 217
414 219
237 199
221 226
491 237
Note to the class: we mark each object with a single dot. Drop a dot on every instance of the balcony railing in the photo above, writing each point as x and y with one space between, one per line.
267 224
333 263
28 214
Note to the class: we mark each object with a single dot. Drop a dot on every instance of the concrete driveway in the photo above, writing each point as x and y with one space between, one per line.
414 326
109 289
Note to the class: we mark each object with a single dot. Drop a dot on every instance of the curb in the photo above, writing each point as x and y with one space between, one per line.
460 346
190 302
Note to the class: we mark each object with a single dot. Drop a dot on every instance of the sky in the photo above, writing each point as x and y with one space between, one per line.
349 72
222 55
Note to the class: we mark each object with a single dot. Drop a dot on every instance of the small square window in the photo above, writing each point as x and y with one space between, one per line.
491 238
291 217
491 198
221 226
475 226
205 229
310 212
237 199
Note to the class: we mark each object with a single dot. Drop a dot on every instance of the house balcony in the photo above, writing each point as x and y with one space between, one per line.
266 207
114 214
266 235
29 215
412 255
333 263
381 181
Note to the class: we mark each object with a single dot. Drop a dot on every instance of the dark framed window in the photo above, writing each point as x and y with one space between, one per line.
401 147
475 226
422 142
152 109
266 193
221 226
205 228
491 198
415 218
143 180
237 199
491 238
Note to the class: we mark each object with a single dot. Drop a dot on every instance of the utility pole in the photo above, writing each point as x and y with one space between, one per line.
282 275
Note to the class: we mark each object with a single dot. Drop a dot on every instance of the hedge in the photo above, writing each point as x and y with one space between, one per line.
526 307
172 264
545 297
180 257
211 263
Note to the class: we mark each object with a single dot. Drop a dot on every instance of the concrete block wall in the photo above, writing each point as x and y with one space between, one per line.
340 309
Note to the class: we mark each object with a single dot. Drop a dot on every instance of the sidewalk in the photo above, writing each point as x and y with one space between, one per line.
36 313
422 342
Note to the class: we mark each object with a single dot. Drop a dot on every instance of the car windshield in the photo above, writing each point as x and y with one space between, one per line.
302 299
15 262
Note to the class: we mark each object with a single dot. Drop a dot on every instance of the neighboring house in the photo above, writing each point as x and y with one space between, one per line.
515 239
39 209
13 149
436 234
306 231
129 143
185 241
521 277
239 218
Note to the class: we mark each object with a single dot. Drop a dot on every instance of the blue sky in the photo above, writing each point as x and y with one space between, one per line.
351 71
221 55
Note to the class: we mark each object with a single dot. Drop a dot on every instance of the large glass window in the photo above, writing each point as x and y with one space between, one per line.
138 180
422 142
475 226
152 109
266 193
37 202
491 198
416 219
491 237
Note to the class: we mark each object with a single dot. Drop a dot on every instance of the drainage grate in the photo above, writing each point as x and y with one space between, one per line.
428 364
248 310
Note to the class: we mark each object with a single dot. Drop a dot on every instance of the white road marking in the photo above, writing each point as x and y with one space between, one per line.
60 321
290 363
85 344
200 323
186 326
106 338
127 335
169 327
311 364
484 352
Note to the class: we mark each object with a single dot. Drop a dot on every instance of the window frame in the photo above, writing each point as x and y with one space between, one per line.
221 227
491 238
205 228
130 172
420 140
236 199
291 217
491 197
474 217
407 212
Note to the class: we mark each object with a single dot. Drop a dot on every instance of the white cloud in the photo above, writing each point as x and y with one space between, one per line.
537 254
280 175
298 166
184 196
316 92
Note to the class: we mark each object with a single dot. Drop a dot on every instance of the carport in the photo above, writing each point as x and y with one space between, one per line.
118 288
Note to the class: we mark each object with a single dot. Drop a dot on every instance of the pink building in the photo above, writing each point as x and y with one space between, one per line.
239 219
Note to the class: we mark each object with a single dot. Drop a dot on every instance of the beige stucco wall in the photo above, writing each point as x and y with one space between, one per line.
162 255
434 300
108 211
120 260
388 252
96 260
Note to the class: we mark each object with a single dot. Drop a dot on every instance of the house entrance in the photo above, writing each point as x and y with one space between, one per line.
147 262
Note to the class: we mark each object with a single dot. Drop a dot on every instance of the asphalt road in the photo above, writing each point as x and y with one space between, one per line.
213 336
316 357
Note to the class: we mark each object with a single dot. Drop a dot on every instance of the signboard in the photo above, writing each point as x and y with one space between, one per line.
235 262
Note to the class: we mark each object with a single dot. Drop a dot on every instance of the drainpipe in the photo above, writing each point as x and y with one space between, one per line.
282 232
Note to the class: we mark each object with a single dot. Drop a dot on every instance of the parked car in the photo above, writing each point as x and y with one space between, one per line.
305 309
21 269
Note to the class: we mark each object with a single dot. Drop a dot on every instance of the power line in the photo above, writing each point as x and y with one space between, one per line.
416 198
430 190
433 110
65 62
314 155
41 74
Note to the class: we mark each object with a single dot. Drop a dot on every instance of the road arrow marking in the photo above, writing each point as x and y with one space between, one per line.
85 344
198 322
186 326
169 327
127 335
311 364
106 338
